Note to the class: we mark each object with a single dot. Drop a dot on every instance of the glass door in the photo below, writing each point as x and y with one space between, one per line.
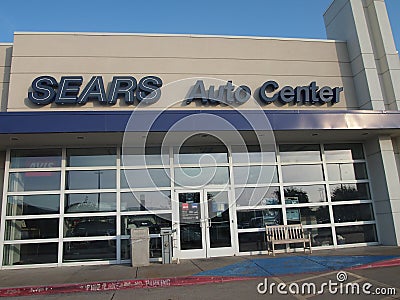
204 224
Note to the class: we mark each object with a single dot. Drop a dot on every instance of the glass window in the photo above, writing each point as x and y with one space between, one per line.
210 154
89 226
353 213
145 156
320 236
305 194
26 254
255 174
33 205
356 191
155 248
89 250
356 234
299 153
77 203
253 154
302 173
87 180
35 158
153 222
201 176
140 201
257 196
308 215
145 178
34 181
31 229
252 241
259 218
339 172
338 152
91 157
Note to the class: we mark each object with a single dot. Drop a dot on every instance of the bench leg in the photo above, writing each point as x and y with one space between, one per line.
273 249
304 247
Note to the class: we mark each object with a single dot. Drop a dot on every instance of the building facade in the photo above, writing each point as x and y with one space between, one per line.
215 137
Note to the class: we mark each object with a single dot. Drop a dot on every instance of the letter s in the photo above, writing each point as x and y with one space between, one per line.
43 92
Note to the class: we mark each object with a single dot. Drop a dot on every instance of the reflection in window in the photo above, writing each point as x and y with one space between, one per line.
26 254
77 203
155 248
145 178
257 196
302 173
153 222
253 154
144 156
91 157
85 180
339 172
140 201
320 236
353 213
31 229
308 215
201 176
34 181
338 152
33 205
356 234
35 158
252 241
343 192
89 226
89 250
305 194
259 218
299 153
255 174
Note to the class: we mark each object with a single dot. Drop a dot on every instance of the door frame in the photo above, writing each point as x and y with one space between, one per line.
206 250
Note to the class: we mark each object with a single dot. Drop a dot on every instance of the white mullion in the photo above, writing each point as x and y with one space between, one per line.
232 203
4 206
90 238
328 194
261 207
62 206
89 214
150 189
26 170
281 185
140 213
90 168
360 223
33 193
92 191
32 217
30 241
118 216
283 164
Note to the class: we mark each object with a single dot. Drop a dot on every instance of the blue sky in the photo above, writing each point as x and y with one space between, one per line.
283 18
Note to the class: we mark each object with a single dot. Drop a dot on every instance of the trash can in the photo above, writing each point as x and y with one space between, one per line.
166 242
140 252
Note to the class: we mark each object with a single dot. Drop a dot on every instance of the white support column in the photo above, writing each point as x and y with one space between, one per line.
385 186
364 24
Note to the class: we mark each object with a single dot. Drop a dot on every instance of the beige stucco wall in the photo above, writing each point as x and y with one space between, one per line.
244 60
5 66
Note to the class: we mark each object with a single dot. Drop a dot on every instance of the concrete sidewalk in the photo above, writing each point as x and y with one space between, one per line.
197 268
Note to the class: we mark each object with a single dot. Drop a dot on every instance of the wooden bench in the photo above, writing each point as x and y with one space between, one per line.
287 234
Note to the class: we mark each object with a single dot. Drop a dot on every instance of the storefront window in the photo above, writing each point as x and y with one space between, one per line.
299 153
201 176
35 158
356 234
257 196
140 201
340 152
308 215
252 241
144 156
320 236
78 203
153 222
347 171
353 213
89 250
27 254
305 194
34 181
89 226
253 154
302 173
255 174
33 205
344 192
88 180
145 178
155 248
91 157
259 218
31 229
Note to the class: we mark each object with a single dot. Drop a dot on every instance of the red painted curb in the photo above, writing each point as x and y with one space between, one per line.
386 263
103 286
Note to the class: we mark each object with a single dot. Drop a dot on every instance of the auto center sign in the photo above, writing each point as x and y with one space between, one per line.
68 91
